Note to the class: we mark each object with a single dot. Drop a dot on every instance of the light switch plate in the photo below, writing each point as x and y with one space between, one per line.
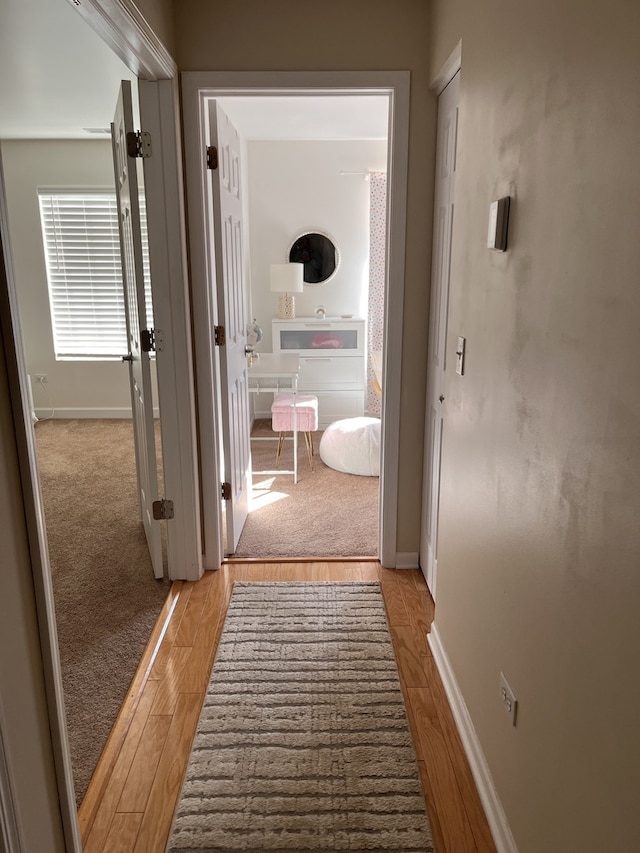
508 697
498 224
460 356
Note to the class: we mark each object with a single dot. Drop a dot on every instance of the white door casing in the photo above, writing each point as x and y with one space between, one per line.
33 728
198 89
228 248
135 309
447 134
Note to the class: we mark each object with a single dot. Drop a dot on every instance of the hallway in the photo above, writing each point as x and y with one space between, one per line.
131 799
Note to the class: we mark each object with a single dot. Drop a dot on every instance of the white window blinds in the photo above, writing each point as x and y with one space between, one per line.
82 252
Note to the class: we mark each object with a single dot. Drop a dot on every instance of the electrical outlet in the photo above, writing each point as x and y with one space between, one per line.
508 699
42 378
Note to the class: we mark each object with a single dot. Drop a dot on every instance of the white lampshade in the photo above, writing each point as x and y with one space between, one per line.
286 278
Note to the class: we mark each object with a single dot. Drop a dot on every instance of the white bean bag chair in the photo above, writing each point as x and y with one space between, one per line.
352 446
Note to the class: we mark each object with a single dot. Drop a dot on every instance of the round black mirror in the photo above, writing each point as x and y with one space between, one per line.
318 254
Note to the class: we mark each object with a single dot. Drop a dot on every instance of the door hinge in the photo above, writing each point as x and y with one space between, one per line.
212 157
151 340
219 336
162 509
225 491
139 143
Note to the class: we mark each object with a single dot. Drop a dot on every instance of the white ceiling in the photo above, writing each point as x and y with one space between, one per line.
57 77
309 117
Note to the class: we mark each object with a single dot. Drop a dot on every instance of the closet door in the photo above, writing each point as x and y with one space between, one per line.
435 421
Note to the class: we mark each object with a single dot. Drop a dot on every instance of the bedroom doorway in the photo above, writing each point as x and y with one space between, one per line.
258 255
324 160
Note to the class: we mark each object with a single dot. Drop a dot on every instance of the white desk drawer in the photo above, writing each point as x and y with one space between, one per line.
331 372
307 336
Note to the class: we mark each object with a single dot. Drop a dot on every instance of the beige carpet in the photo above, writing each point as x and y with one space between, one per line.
303 742
326 513
106 598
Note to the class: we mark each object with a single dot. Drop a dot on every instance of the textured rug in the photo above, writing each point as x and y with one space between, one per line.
303 741
327 513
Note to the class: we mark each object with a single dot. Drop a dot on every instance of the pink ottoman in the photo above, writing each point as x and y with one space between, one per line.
306 415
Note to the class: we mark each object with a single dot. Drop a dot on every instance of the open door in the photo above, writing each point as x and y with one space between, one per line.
227 217
135 305
437 364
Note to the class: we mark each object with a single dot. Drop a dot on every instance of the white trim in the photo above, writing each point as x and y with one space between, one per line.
496 817
120 25
204 313
198 88
448 70
37 537
167 253
9 834
407 560
397 178
80 412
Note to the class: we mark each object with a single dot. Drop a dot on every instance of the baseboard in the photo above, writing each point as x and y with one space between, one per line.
260 414
496 817
407 560
124 412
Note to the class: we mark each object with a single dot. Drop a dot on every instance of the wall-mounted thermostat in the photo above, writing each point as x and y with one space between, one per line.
498 222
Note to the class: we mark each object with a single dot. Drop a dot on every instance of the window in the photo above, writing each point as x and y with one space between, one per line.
82 252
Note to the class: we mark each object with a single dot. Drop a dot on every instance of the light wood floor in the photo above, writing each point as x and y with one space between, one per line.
131 799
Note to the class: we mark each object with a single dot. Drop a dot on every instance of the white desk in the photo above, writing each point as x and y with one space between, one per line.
274 372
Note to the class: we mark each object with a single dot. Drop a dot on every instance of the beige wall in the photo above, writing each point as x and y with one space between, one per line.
159 16
357 35
539 564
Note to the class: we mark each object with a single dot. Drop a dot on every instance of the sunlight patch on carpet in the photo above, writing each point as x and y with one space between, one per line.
262 496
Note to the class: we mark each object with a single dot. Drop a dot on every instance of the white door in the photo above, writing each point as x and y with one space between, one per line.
437 364
135 304
227 212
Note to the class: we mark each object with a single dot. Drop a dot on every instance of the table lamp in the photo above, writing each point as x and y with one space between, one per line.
286 279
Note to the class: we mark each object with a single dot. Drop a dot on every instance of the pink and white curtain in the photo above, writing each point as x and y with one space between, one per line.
377 246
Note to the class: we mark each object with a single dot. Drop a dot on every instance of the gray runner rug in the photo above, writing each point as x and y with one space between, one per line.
303 742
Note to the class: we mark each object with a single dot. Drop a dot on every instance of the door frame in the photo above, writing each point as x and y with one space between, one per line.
37 641
197 89
119 24
164 194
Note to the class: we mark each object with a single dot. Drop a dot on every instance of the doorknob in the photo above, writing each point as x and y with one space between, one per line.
127 357
441 398
248 350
